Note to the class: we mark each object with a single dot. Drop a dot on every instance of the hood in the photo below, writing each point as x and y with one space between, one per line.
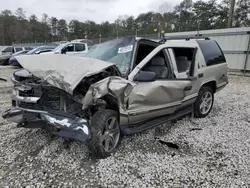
62 71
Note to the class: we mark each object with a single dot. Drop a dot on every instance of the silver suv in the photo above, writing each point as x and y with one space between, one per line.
121 87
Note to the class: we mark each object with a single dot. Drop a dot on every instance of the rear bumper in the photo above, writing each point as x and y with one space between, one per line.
60 125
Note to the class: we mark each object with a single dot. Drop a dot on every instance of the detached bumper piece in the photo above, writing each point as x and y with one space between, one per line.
73 128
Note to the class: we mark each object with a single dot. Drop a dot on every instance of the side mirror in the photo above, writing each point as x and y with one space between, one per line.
37 52
145 76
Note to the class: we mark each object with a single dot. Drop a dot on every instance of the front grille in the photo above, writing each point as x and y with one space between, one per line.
27 105
51 99
34 92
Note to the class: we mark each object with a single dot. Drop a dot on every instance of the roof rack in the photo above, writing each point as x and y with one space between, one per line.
165 39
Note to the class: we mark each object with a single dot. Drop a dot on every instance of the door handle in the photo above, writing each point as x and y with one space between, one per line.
187 88
200 75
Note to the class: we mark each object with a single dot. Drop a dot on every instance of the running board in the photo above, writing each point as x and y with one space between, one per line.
140 127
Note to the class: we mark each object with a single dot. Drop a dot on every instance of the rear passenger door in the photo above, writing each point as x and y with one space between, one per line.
160 97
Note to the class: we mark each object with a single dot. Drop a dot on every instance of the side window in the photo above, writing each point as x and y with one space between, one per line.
79 47
159 66
183 57
19 49
9 49
28 48
70 48
212 52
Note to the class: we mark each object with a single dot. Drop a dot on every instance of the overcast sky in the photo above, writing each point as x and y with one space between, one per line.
97 10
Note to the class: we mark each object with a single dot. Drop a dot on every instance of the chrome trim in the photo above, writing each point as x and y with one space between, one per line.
30 110
14 81
25 99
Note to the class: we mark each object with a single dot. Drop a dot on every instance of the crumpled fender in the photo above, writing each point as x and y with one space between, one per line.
118 87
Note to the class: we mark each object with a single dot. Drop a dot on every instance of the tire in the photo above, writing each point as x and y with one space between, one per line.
101 131
199 105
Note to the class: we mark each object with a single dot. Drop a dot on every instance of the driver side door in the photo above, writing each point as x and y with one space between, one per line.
70 49
160 96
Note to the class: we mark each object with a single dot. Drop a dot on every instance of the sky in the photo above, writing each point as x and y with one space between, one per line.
96 10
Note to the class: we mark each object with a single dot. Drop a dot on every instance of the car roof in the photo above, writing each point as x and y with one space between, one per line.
181 43
77 42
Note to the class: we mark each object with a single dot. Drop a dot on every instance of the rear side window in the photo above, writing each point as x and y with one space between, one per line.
19 49
212 52
79 47
28 48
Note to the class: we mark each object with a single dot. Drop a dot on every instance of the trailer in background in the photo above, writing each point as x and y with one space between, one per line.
235 43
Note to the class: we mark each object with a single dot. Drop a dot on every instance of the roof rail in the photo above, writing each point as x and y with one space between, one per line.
165 39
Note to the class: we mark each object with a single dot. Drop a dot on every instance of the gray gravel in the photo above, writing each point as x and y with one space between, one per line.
213 152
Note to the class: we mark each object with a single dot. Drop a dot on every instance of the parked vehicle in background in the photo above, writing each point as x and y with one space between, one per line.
41 49
1 47
71 48
123 86
35 51
28 48
13 61
90 43
9 50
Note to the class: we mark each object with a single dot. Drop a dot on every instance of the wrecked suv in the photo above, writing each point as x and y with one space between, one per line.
121 87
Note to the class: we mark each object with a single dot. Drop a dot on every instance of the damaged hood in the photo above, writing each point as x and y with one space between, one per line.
62 71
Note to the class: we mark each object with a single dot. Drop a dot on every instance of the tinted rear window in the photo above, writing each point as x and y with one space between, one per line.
212 52
19 49
79 47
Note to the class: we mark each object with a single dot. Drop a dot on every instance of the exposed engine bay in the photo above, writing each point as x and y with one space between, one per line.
33 93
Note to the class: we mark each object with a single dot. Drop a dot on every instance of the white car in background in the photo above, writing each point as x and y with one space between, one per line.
71 48
8 50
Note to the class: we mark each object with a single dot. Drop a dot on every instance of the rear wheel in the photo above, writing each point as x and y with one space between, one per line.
105 133
204 102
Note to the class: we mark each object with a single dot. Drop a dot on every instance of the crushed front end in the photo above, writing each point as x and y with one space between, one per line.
37 104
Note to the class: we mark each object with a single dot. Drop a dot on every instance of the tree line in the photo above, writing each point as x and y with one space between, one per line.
186 16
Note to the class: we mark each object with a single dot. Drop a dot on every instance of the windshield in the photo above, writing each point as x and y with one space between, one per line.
40 48
117 51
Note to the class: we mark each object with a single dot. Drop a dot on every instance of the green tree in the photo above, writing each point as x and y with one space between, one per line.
222 14
242 13
185 16
53 25
62 28
205 14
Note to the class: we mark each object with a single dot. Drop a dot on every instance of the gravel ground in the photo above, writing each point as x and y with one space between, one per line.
212 152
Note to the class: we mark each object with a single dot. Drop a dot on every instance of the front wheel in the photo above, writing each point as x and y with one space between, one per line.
105 133
204 102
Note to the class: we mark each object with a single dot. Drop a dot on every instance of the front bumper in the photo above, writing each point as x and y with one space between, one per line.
60 125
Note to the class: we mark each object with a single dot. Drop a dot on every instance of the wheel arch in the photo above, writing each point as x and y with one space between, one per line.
112 103
212 84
